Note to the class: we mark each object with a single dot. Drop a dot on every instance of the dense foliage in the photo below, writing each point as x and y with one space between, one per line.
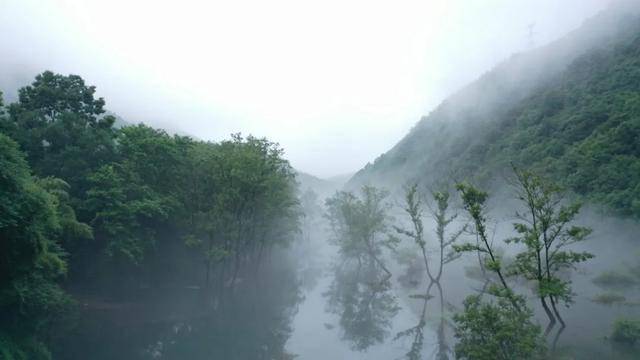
496 330
31 259
153 210
361 225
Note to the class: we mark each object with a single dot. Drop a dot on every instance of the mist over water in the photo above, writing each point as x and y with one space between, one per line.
125 241
306 302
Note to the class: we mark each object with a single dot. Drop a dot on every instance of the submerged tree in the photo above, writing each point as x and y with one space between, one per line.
244 205
414 207
500 328
474 203
490 330
139 194
360 292
546 232
361 225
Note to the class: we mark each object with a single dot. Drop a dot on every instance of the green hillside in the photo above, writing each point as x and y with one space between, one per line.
570 110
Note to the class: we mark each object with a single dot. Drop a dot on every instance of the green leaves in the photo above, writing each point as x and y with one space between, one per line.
123 206
546 231
496 330
473 199
60 126
158 205
361 224
468 247
52 94
31 260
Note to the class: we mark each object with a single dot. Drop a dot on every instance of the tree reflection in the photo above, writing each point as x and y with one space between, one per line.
253 322
360 294
442 350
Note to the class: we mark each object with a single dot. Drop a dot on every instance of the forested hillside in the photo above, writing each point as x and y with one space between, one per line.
570 110
96 211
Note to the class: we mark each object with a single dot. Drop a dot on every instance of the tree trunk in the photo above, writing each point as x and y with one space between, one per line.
552 319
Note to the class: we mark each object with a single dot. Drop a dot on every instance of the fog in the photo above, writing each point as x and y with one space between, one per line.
322 79
409 130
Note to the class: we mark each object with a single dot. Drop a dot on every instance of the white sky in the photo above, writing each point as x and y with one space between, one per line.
335 82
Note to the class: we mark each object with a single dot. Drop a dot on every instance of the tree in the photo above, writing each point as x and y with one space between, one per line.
52 94
131 198
311 210
492 329
123 207
414 208
473 201
546 232
62 129
31 261
243 202
360 225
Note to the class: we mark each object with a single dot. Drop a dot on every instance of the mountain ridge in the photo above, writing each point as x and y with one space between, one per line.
483 128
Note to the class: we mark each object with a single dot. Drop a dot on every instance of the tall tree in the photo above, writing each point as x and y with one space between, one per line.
474 203
61 127
244 202
31 260
545 229
414 207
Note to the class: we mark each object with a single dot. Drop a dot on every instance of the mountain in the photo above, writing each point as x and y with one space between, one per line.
570 110
322 187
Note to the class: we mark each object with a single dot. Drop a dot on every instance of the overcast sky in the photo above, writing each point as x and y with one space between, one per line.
335 82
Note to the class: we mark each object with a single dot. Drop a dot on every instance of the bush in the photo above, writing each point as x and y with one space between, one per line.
614 280
609 299
496 330
626 331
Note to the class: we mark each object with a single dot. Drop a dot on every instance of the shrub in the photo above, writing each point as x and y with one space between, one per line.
626 331
496 330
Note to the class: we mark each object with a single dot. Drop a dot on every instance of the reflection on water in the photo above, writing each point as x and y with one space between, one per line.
441 350
250 321
324 307
360 294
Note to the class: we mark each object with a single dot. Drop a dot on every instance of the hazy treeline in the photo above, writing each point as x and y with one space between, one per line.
110 211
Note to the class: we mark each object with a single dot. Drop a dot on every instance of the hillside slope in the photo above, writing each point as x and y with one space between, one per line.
570 110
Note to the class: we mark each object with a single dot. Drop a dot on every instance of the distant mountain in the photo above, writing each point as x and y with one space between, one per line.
322 187
570 110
